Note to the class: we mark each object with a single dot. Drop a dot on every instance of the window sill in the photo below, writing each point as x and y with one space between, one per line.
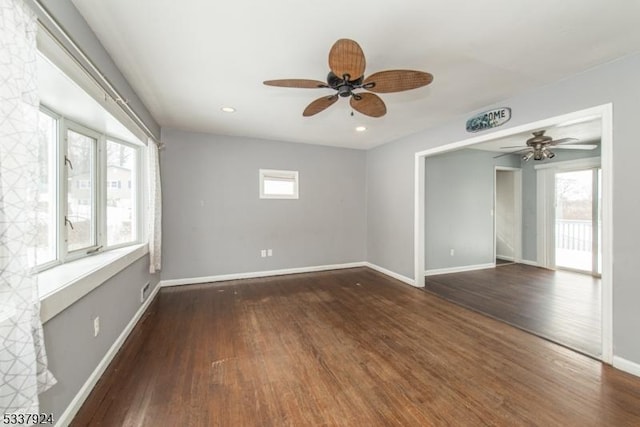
61 286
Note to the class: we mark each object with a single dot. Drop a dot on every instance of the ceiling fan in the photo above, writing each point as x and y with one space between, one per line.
539 146
347 64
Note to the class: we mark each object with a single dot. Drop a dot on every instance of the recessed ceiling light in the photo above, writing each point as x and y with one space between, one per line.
228 109
360 129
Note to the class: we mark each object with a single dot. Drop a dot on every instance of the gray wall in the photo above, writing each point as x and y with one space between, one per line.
215 223
72 350
390 179
458 205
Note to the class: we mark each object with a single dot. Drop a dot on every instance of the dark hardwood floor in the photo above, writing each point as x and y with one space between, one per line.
558 305
349 348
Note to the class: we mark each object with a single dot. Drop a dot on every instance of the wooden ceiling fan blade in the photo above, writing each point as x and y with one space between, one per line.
319 105
576 147
347 58
297 83
368 104
396 80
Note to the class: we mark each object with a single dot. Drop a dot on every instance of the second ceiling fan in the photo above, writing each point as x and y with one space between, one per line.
539 147
347 64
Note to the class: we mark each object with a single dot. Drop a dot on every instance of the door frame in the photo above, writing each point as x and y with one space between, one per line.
517 211
605 113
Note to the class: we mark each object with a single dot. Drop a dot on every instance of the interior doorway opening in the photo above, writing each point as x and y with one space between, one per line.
531 248
507 215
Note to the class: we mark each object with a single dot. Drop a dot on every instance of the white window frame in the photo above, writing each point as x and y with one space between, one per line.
63 255
136 187
280 175
96 208
57 183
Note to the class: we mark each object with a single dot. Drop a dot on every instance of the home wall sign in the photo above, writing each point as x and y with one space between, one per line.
489 119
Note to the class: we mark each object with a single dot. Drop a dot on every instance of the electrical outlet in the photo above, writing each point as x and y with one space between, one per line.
269 252
143 291
452 252
263 253
96 326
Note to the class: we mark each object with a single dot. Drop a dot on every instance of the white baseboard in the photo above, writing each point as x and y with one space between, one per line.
255 274
527 262
390 273
73 408
505 258
625 365
460 269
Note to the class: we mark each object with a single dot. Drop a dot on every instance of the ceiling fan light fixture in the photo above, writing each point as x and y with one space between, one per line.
527 156
360 128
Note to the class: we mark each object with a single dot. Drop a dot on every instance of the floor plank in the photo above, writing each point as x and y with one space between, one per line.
348 348
561 306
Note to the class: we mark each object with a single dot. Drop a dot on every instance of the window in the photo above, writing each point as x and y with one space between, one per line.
44 249
80 162
83 206
121 218
278 184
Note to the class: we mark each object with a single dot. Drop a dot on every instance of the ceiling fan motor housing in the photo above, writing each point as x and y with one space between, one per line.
344 87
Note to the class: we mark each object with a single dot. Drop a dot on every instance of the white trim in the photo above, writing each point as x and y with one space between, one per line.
67 416
419 209
65 284
527 262
606 164
627 366
605 112
256 274
393 275
506 258
448 270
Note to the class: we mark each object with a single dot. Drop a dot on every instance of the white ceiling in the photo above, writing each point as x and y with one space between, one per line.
187 59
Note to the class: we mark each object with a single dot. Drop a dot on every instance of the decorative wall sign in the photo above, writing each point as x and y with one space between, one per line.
489 119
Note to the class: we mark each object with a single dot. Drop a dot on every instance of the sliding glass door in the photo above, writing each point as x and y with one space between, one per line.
577 220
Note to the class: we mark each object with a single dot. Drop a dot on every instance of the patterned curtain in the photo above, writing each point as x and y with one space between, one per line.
23 361
155 208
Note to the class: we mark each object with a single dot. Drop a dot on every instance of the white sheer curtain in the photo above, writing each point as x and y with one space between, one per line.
155 208
23 361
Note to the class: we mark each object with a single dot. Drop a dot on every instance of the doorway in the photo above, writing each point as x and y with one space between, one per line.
577 228
603 114
507 215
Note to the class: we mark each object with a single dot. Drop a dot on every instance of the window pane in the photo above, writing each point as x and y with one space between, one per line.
121 197
80 191
278 187
44 248
278 184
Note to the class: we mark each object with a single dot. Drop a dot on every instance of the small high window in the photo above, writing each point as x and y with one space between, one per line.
278 184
